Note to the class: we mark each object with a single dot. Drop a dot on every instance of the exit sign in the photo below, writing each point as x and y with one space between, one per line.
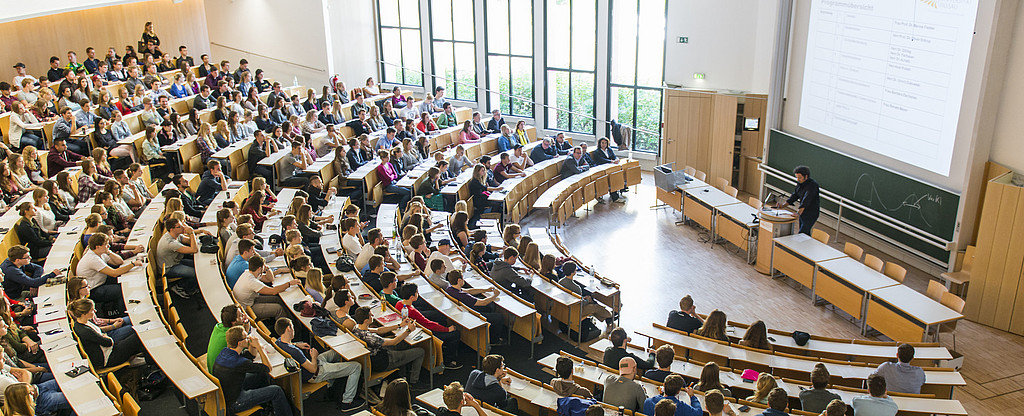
698 75
684 39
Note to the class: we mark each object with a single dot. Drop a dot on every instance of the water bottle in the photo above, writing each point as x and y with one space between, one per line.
405 312
295 81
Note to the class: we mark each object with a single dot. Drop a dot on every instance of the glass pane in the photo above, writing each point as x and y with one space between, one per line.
624 42
521 16
522 86
584 34
497 26
652 44
388 10
648 123
441 19
409 13
558 34
465 65
444 65
583 102
558 98
622 108
391 47
412 57
498 83
462 19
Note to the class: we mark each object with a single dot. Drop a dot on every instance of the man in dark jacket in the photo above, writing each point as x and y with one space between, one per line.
574 164
686 318
213 182
490 384
20 274
243 381
192 206
505 275
543 152
617 351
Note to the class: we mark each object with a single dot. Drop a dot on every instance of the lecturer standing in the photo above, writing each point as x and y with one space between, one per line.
807 193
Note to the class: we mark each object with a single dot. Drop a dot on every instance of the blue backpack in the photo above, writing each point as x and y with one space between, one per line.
574 406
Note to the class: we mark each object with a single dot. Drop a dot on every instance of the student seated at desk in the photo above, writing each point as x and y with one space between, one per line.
101 349
491 383
901 376
574 164
213 182
170 256
765 384
778 400
319 367
47 395
101 268
686 318
590 306
716 405
505 140
877 403
383 352
835 408
505 275
243 381
475 299
21 275
714 326
663 356
614 353
562 146
455 398
117 328
622 390
818 397
506 170
710 380
449 335
673 384
230 316
563 384
240 262
252 290
756 336
31 234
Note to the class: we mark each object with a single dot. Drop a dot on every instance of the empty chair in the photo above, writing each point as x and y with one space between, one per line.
961 277
955 303
731 191
935 290
854 251
690 170
895 271
754 202
701 176
721 183
820 235
874 262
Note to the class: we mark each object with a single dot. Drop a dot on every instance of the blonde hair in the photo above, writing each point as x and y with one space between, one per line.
765 384
531 256
315 280
30 162
18 400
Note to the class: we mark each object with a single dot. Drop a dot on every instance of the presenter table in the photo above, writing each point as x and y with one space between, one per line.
798 256
906 315
845 283
699 204
738 227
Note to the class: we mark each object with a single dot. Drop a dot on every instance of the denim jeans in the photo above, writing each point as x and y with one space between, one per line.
331 368
413 357
404 195
51 399
256 391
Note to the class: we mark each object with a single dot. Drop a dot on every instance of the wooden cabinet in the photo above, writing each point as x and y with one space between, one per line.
700 131
995 296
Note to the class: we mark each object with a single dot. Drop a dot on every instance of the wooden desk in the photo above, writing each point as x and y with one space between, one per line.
737 224
845 283
237 191
603 291
798 255
904 314
700 205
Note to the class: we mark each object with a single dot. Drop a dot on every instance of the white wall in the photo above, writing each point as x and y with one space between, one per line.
289 38
1008 138
24 9
730 42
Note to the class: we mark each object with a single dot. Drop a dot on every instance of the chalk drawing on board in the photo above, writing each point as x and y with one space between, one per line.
914 203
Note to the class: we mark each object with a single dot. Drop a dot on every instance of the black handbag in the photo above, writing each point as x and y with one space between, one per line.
346 263
208 244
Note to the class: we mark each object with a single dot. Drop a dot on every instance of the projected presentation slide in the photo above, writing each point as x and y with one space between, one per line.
888 75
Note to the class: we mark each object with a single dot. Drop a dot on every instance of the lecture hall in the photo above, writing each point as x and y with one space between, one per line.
511 207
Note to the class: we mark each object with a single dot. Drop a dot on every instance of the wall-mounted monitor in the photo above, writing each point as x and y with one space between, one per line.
752 124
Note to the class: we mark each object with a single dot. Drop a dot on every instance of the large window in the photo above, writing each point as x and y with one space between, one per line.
571 64
454 47
510 56
400 41
636 60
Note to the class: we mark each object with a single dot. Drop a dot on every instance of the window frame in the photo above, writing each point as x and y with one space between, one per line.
509 96
380 36
452 95
612 101
551 123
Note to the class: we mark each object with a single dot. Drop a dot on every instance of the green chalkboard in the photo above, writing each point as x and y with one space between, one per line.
891 194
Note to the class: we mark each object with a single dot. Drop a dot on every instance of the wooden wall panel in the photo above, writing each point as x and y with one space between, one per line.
723 137
1014 257
996 295
980 272
34 41
752 143
999 250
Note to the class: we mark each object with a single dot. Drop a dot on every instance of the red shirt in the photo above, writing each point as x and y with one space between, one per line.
420 319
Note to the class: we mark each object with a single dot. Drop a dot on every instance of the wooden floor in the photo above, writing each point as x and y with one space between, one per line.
657 262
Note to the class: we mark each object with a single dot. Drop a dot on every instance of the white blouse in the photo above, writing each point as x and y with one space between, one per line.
46 219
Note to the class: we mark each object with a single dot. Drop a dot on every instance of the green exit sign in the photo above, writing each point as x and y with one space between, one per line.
684 39
698 75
